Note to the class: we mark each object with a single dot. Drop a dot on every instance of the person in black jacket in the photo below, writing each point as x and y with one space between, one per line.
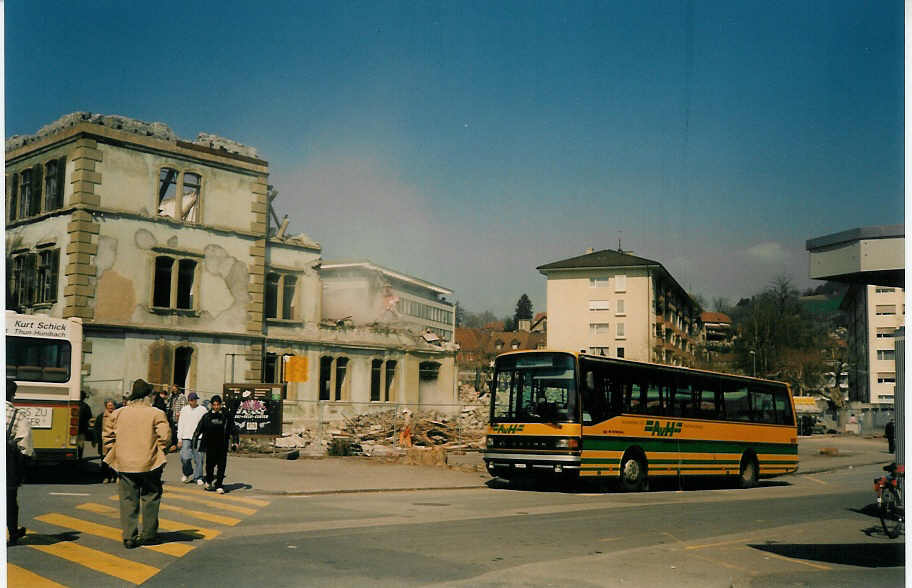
213 435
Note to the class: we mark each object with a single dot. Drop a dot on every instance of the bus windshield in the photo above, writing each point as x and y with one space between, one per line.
37 360
535 387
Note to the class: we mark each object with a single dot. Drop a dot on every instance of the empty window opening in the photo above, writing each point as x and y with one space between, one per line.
190 201
179 194
271 295
182 359
288 292
53 183
278 296
174 286
325 376
376 367
428 370
390 376
341 365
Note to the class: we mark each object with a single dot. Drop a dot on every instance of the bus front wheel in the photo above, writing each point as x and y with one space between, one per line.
748 477
633 473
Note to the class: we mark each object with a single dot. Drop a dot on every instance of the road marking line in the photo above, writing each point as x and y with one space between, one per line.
813 479
16 576
125 569
719 544
69 494
210 501
112 533
220 497
724 564
212 518
807 563
607 539
166 524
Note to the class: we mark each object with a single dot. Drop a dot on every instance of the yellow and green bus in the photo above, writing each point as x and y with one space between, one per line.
578 415
44 358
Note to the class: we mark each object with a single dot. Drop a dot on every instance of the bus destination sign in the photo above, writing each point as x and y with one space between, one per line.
33 327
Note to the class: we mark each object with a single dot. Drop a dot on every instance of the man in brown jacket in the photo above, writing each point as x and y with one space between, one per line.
135 439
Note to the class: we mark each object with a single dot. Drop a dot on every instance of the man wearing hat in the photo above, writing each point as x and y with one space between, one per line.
135 439
191 457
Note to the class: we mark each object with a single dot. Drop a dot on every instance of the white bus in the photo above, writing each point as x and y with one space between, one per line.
44 358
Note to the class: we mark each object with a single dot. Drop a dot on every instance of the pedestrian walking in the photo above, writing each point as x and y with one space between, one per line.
108 474
18 450
213 434
135 440
191 457
890 434
176 404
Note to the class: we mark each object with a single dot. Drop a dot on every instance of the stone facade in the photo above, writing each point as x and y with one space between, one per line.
163 248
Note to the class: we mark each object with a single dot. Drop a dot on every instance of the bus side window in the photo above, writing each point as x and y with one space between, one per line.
762 408
706 400
655 398
783 408
634 400
737 403
682 406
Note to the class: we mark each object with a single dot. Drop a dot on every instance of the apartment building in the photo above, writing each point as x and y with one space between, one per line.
875 312
616 304
163 247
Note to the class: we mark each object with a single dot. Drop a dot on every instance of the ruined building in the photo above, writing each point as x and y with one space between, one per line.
165 250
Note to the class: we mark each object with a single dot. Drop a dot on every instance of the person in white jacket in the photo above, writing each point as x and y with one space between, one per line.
191 457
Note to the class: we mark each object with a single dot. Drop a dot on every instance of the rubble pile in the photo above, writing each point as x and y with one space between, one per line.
377 432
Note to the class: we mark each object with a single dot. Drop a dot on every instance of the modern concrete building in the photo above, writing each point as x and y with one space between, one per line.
871 259
163 247
616 304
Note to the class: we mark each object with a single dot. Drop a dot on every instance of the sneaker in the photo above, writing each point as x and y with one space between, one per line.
209 487
200 482
220 490
185 479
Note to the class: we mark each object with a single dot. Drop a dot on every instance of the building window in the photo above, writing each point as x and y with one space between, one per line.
619 307
514 345
884 290
620 330
279 295
885 354
599 328
326 363
498 345
428 370
885 309
341 368
620 283
599 305
885 333
32 278
390 376
376 368
179 194
886 378
174 283
602 351
598 282
620 352
53 183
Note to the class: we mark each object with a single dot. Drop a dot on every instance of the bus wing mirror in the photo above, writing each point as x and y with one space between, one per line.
590 380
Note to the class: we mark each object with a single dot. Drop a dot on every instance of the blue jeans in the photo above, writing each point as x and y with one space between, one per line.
192 457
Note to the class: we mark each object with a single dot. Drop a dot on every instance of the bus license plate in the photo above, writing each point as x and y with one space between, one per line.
39 417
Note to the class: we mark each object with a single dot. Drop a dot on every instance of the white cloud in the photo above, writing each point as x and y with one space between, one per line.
769 252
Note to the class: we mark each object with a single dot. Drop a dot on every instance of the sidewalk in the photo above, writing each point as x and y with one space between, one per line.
336 475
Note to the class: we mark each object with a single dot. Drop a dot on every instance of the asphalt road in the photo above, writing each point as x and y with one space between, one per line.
808 530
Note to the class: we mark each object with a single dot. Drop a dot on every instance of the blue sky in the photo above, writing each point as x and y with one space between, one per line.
467 143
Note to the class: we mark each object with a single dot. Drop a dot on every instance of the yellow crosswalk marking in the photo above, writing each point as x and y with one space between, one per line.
219 497
125 569
166 524
90 528
212 502
17 577
205 516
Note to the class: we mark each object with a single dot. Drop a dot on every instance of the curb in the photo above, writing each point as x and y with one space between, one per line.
835 467
363 490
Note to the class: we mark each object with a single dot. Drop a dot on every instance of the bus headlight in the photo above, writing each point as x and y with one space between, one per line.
566 443
489 442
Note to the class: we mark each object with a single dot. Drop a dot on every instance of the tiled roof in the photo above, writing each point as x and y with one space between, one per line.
604 258
715 317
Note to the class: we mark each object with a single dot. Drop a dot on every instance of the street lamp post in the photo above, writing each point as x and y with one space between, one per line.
753 355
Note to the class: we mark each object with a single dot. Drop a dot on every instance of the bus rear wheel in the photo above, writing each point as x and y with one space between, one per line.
633 473
749 467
